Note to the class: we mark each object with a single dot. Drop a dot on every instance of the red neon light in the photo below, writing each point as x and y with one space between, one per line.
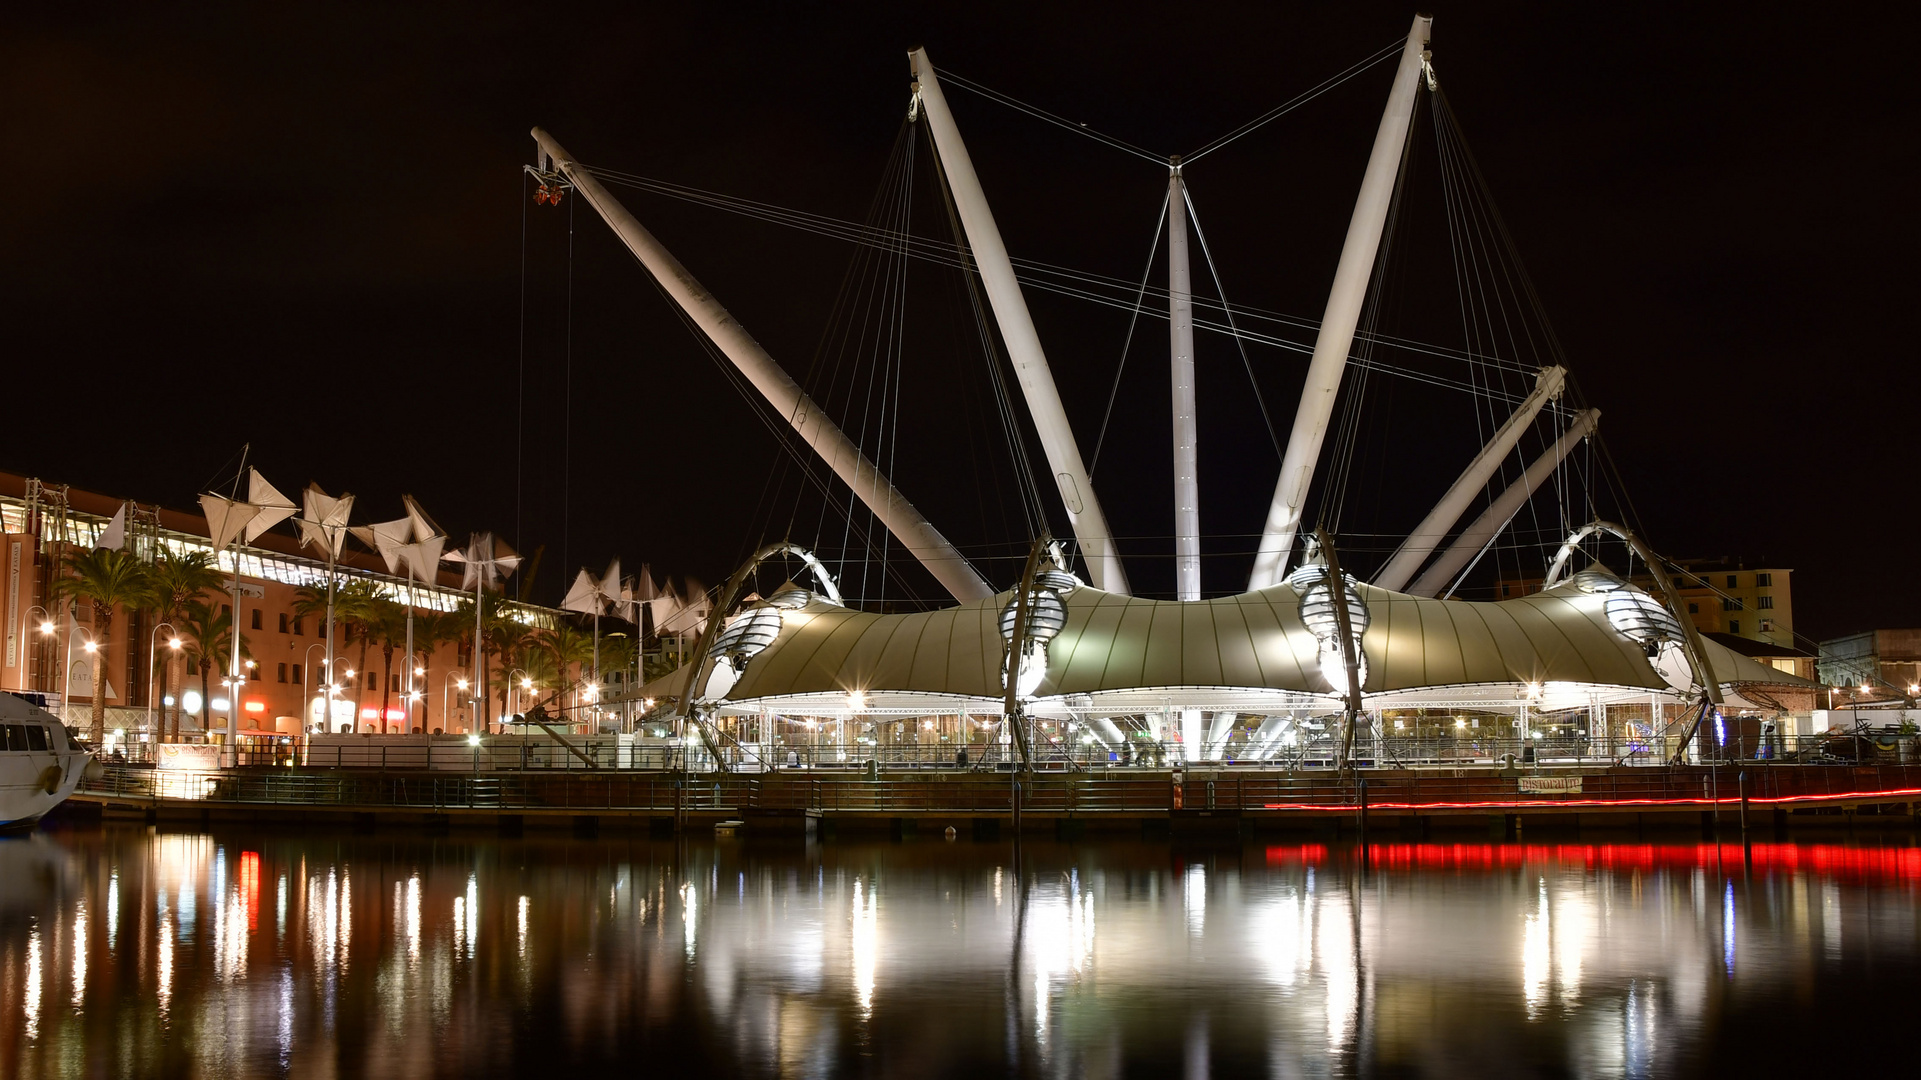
250 885
256 706
1539 804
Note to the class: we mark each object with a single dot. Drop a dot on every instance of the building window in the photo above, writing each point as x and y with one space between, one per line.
1694 609
1734 626
393 681
283 672
227 610
255 615
1762 581
1767 626
299 626
1765 603
297 676
1732 603
283 622
1730 581
253 673
370 680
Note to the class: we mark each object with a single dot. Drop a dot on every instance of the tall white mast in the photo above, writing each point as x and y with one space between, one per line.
915 532
1477 536
1180 310
1434 528
1343 313
1017 330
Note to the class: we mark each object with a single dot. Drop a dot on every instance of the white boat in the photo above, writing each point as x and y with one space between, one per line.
39 765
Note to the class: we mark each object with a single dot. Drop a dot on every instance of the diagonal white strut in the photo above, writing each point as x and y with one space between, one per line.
854 469
1477 536
1343 313
1439 521
1017 330
1180 310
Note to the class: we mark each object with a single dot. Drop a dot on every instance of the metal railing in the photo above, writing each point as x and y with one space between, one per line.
1428 789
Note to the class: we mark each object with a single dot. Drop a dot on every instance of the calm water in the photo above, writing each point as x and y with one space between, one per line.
236 953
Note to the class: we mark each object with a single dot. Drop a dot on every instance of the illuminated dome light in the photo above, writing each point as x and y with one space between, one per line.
1317 612
1046 614
749 632
1057 580
1641 618
1033 669
1597 579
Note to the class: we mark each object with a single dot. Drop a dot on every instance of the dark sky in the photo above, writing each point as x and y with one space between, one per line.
302 227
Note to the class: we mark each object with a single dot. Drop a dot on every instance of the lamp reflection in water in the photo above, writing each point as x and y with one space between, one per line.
31 1005
1534 955
865 941
78 945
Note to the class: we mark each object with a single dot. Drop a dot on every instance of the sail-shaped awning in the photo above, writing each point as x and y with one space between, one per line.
1252 651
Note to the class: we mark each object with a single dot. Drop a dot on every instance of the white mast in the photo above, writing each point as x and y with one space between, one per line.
1343 313
1434 527
1180 310
934 551
1476 537
1017 330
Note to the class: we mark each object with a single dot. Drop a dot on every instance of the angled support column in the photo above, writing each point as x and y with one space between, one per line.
1435 526
1344 301
1017 330
1180 310
1477 536
915 532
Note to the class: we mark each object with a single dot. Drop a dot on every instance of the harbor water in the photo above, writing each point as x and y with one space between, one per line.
130 951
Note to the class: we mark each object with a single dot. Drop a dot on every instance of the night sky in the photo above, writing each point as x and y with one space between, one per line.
306 228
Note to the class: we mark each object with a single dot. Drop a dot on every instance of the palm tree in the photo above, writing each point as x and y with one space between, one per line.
433 629
106 580
500 634
210 631
355 602
175 580
386 622
567 646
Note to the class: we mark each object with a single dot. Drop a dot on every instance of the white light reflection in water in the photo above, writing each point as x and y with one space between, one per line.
1535 954
1059 940
330 920
1194 894
412 910
32 996
79 955
1334 944
113 909
521 924
1278 930
689 916
163 966
1727 930
866 946
1574 920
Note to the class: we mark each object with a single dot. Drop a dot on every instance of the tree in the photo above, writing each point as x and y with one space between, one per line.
433 629
355 603
385 622
210 633
175 580
106 580
570 650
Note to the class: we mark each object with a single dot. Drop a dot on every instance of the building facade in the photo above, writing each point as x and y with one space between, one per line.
1885 664
1722 596
283 688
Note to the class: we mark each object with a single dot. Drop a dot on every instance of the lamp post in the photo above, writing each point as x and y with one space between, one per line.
47 626
66 676
462 684
526 683
306 675
153 645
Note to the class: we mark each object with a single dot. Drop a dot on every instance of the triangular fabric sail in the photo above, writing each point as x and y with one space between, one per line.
323 524
225 518
423 558
423 525
484 560
386 537
274 507
114 536
644 587
584 597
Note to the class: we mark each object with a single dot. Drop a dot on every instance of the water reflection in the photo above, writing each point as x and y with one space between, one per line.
412 955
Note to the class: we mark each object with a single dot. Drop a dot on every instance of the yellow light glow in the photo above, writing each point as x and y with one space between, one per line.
526 684
460 684
90 646
173 643
46 628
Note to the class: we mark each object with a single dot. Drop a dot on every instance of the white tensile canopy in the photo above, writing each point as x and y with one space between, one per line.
1250 652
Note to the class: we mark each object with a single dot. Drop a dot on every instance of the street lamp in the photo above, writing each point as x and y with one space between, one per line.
47 627
462 684
526 683
306 675
66 684
153 645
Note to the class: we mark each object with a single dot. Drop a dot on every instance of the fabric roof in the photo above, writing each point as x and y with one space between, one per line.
1113 644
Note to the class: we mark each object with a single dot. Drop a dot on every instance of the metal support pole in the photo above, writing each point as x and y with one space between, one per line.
1435 526
1337 592
1017 330
1477 536
941 558
1344 301
1180 309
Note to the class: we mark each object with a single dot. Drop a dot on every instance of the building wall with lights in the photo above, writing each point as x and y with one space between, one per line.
282 689
1723 596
